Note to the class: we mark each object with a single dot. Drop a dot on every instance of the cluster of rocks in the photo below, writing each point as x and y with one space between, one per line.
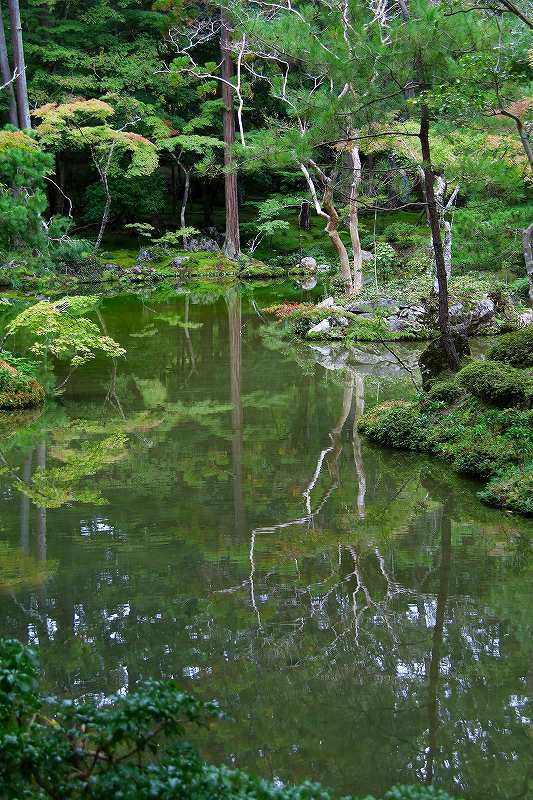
310 264
205 244
415 318
397 317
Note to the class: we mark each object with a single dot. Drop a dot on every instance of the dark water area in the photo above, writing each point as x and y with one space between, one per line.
205 509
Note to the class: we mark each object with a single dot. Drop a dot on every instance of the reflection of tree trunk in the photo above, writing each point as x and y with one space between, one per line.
357 448
25 507
234 321
438 634
337 430
41 512
188 339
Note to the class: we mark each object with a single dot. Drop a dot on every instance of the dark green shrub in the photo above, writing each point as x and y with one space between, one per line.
480 457
444 392
496 383
398 425
514 348
511 489
131 748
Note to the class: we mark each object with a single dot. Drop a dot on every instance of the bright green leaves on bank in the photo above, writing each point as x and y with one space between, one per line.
59 328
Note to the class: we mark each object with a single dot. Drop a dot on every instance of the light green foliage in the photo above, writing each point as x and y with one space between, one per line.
87 124
174 239
60 329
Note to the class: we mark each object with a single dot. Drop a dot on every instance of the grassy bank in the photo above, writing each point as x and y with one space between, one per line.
480 421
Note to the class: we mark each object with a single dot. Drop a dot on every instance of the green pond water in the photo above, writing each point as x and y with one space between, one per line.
204 509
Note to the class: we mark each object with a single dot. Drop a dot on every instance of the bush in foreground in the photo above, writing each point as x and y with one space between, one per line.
131 748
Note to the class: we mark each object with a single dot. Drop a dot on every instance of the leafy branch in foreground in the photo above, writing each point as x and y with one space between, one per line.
131 748
60 329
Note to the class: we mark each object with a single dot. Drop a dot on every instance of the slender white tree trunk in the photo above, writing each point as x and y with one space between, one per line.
527 240
353 222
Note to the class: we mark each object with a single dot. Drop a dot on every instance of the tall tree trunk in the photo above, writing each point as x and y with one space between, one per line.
440 266
232 245
338 244
19 64
353 221
7 74
527 239
304 221
526 144
105 214
185 197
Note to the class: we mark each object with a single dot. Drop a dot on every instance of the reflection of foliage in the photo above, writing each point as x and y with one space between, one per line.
19 569
52 488
126 733
61 329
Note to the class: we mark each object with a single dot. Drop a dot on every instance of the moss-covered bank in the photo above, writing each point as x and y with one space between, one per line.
405 310
480 421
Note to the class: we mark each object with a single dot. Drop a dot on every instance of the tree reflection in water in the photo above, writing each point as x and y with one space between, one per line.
209 511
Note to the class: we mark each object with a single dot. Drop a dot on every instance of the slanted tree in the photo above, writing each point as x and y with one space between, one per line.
7 74
19 62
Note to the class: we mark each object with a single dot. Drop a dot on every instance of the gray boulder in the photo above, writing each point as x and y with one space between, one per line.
202 244
456 310
309 263
145 255
366 255
323 267
327 303
323 326
397 325
179 261
360 308
483 312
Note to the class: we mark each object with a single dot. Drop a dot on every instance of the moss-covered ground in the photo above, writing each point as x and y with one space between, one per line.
480 421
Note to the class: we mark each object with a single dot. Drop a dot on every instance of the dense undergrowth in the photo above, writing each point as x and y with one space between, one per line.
130 748
480 421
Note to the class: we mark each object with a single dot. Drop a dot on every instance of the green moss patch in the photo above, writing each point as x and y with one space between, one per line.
496 383
514 348
479 422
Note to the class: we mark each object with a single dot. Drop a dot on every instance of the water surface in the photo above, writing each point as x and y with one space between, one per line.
205 509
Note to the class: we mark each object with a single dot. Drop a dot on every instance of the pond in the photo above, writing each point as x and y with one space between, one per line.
205 509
